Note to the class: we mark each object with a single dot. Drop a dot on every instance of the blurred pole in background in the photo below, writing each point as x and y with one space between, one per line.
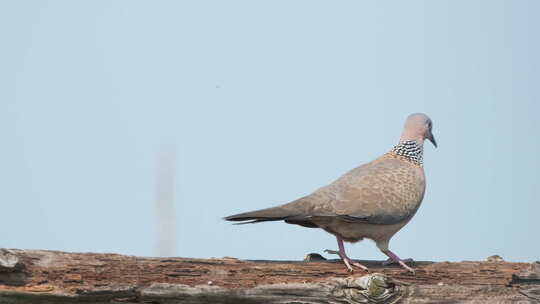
165 209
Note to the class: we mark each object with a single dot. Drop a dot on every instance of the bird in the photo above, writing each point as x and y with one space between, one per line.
372 201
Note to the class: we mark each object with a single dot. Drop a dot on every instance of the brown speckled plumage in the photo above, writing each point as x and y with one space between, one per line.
371 201
383 192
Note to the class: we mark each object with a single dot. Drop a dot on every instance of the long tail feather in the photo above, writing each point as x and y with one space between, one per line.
263 215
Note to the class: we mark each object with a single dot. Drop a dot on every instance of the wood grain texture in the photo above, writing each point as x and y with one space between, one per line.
35 276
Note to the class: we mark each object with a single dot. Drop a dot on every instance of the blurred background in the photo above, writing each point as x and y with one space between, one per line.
134 126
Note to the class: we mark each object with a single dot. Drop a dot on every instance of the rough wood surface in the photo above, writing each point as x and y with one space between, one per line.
34 276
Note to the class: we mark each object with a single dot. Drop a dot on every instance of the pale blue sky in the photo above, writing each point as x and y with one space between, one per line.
263 102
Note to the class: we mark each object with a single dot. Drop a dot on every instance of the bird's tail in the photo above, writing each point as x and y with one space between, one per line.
263 215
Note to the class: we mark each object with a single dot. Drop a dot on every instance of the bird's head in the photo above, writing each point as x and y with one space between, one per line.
418 127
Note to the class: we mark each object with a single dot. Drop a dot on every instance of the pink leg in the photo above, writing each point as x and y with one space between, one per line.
348 262
396 259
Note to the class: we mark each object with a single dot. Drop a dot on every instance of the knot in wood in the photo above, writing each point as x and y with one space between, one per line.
9 262
371 288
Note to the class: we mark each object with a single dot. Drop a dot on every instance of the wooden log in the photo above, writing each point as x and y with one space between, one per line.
36 276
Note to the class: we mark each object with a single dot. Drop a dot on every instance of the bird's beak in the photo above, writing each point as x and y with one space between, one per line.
431 138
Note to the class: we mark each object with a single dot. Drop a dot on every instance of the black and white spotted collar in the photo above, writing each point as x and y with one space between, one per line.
411 150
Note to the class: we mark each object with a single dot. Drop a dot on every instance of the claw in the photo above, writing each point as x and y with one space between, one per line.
360 266
347 261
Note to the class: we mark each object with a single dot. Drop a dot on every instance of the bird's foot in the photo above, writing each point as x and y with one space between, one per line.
392 262
411 270
348 262
396 259
401 263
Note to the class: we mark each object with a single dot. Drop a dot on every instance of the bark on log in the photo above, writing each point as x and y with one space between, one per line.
35 276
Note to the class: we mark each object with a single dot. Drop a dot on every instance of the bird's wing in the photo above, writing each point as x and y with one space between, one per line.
385 191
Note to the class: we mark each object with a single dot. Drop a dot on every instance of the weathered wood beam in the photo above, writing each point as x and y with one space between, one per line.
35 276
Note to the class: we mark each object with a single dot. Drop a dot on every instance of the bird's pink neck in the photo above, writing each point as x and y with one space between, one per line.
409 135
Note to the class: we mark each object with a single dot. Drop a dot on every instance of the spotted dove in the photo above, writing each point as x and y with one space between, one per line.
372 201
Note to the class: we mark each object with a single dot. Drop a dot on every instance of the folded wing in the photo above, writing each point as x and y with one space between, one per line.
385 191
